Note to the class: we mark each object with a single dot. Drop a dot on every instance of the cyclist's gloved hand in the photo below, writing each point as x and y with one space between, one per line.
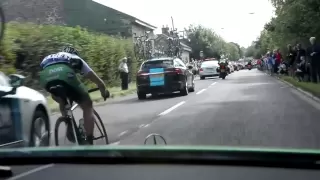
105 94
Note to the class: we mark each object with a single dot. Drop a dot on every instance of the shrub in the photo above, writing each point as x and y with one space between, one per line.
34 42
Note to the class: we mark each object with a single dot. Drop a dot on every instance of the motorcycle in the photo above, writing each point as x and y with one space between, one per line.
249 66
222 71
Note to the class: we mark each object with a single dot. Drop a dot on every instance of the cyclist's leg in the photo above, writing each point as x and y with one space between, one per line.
82 97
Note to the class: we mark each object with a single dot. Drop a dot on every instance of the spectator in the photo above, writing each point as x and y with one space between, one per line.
278 59
300 61
270 63
291 58
314 56
124 72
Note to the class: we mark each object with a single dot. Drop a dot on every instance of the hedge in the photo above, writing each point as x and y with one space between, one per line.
33 42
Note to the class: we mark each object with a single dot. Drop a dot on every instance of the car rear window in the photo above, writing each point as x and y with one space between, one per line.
157 64
211 63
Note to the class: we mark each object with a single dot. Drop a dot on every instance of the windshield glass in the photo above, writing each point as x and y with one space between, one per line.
157 64
137 53
209 63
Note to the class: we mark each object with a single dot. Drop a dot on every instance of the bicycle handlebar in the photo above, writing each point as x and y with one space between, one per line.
97 89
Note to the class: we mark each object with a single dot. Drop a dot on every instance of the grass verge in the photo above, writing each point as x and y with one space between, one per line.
96 96
310 87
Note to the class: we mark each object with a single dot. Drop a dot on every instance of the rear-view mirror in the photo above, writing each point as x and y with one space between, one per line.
16 80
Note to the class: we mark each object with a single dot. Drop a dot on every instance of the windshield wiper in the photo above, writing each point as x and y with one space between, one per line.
5 172
12 91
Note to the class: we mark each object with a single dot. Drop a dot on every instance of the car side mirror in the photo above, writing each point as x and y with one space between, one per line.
16 80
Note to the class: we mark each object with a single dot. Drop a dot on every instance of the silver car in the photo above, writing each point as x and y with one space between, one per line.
208 69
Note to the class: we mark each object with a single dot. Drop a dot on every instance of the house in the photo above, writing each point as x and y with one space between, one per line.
85 13
161 45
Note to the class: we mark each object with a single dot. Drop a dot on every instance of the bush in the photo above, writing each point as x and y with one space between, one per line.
34 42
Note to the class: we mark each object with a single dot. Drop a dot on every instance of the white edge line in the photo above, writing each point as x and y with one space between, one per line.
124 132
31 171
146 125
213 83
115 143
201 91
172 108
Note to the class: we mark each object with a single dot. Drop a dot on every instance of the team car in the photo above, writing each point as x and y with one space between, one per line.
24 114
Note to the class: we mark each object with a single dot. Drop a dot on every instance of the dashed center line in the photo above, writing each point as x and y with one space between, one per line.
201 91
172 108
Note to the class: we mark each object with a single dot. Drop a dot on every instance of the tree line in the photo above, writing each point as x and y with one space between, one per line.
295 22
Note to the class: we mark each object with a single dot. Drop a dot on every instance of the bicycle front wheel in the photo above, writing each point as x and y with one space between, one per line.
101 128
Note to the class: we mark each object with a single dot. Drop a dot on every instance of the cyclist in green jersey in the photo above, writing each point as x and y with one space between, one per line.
63 67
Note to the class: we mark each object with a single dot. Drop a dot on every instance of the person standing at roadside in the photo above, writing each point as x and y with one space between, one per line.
291 59
124 73
314 56
278 59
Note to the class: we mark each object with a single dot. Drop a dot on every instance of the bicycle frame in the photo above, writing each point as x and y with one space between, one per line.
70 116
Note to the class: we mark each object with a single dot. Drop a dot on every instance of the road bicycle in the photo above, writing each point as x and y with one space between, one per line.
75 133
2 23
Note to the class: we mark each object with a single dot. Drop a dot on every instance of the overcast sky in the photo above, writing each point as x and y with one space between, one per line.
231 19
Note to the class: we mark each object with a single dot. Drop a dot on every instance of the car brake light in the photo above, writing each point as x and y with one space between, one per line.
174 70
142 73
200 69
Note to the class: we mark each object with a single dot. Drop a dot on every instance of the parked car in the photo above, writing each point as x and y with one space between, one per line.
164 75
208 69
24 114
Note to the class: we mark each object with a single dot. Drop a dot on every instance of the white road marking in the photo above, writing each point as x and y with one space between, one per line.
115 143
213 83
141 126
31 172
146 125
172 108
201 91
124 132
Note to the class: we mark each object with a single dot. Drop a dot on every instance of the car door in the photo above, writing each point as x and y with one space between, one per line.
10 121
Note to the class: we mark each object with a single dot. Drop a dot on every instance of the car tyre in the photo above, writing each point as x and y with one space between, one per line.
141 95
184 91
202 77
45 137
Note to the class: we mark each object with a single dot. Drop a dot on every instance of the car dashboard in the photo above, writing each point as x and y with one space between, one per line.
160 172
158 163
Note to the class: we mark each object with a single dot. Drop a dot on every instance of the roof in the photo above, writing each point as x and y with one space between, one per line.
133 19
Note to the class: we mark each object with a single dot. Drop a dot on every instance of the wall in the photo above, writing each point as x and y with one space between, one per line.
185 56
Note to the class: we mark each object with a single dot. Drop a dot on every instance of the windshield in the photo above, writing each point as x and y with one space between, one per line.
137 53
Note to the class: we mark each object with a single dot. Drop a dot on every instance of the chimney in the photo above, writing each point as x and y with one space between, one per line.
165 30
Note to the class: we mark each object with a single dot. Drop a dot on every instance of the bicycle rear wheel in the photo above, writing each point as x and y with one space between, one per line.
101 128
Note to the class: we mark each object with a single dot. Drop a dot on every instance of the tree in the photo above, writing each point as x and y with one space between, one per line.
295 22
212 45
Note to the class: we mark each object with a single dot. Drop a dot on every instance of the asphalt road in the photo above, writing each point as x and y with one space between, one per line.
248 108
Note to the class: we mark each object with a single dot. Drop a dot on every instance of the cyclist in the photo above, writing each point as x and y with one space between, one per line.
62 67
